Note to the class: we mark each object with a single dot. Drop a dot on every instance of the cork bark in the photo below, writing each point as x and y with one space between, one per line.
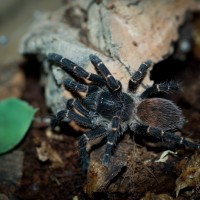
123 34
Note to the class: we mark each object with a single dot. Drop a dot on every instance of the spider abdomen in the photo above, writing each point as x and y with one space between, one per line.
160 113
110 105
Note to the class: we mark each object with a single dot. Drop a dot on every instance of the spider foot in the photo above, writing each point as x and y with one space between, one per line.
106 159
82 141
56 119
84 158
54 57
61 115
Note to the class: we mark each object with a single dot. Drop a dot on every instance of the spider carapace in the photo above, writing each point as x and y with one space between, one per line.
108 111
117 104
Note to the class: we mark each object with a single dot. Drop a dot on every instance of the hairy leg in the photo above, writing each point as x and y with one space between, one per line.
167 87
165 136
112 139
139 75
71 115
84 139
113 84
70 67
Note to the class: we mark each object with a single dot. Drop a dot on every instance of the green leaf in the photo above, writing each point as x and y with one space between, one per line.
15 119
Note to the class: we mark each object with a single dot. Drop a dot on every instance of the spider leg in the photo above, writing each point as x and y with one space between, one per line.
56 119
113 84
83 140
139 75
78 87
69 66
166 87
111 139
170 137
84 121
74 103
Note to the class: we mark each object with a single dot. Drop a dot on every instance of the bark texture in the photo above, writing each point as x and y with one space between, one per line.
123 34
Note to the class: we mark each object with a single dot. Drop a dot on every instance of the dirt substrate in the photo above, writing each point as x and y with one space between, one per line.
51 168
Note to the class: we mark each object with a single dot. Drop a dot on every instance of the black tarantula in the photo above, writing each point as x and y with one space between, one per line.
108 111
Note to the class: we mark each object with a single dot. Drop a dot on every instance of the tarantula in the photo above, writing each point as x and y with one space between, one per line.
108 111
